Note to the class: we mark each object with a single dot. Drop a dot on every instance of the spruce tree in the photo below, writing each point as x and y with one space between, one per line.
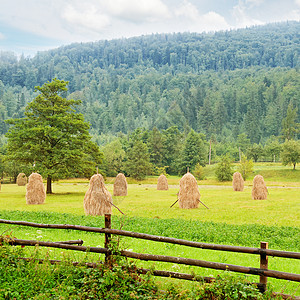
52 136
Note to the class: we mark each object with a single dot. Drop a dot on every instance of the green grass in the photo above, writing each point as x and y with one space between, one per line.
274 174
281 238
232 218
280 209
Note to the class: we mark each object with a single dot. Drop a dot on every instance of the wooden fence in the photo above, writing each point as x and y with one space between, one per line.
263 272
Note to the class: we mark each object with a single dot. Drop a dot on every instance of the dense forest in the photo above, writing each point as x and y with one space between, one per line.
222 85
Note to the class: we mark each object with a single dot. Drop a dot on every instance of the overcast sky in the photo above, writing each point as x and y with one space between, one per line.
28 26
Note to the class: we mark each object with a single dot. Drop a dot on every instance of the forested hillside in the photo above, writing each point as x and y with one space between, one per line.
220 84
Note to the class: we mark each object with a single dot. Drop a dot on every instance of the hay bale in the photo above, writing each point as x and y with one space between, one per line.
238 182
21 179
189 195
97 199
120 185
259 189
162 183
35 190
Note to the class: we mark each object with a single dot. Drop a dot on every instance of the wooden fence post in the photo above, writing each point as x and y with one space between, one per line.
107 218
263 265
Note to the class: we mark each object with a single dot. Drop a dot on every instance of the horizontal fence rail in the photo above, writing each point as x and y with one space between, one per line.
163 258
135 270
249 250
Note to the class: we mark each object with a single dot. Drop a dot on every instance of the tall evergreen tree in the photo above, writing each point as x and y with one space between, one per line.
53 136
156 147
173 143
289 126
194 151
138 161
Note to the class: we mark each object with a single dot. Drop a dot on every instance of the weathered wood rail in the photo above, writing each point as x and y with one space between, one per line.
263 251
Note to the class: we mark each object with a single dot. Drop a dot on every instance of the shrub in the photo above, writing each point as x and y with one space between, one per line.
224 169
245 167
199 172
229 287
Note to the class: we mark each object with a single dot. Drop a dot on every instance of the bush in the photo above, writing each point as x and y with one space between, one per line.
224 169
230 287
160 170
245 167
199 172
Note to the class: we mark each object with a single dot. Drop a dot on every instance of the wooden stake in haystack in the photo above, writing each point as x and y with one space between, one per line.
259 189
162 183
35 190
97 199
238 182
21 179
120 185
189 195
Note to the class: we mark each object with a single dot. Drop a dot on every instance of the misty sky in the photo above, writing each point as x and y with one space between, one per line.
28 26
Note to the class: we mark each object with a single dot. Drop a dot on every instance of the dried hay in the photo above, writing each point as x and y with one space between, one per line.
238 182
259 189
162 183
21 179
189 195
35 190
120 185
97 199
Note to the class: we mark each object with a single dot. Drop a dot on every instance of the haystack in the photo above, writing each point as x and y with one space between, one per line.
238 182
35 190
189 195
21 179
120 185
162 183
97 199
259 189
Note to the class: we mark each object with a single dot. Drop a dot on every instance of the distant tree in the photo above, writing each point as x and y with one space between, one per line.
243 143
224 169
272 148
255 151
220 115
289 126
173 144
290 154
194 151
114 156
156 147
138 164
3 117
206 117
53 136
245 167
13 168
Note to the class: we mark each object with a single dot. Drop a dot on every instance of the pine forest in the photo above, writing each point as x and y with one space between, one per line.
175 100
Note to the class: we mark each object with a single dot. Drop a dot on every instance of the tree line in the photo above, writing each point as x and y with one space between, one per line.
152 81
223 105
227 91
270 46
52 138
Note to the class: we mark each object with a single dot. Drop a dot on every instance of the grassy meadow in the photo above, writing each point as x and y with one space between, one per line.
233 218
